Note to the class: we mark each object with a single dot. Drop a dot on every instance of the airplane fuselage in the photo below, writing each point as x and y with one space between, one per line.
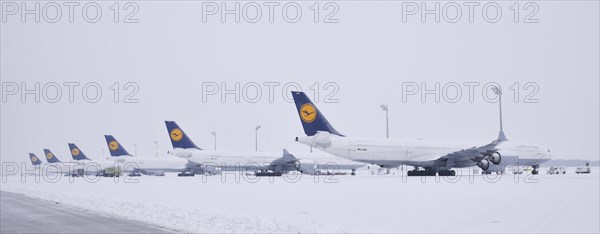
165 164
421 153
247 160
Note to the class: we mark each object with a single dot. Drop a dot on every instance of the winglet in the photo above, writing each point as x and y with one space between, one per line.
288 157
498 91
501 136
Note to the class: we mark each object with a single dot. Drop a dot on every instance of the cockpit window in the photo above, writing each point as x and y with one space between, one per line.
548 151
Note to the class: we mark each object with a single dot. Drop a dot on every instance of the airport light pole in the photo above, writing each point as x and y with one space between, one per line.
256 137
156 143
135 149
387 129
214 133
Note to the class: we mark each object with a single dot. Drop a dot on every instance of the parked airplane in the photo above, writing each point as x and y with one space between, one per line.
91 166
77 154
145 165
66 166
263 163
37 164
51 157
435 157
34 159
54 165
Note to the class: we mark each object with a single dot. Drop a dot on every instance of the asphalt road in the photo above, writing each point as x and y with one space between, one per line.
21 214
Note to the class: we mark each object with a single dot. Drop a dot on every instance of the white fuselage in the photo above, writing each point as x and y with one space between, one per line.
247 160
59 167
423 153
167 164
93 166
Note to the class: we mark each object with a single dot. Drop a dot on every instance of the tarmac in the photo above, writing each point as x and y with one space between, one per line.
22 214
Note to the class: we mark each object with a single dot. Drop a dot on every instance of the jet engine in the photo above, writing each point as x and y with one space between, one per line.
322 139
484 164
495 158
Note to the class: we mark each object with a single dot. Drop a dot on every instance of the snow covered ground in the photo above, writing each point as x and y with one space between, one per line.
362 203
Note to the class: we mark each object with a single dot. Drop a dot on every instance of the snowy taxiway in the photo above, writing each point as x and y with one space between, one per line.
21 214
362 203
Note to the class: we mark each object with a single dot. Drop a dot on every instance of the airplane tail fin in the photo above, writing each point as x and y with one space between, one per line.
311 118
115 147
34 159
77 153
50 156
178 137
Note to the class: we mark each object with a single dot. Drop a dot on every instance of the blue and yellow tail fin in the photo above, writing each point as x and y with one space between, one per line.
311 118
50 156
178 137
77 153
34 159
115 148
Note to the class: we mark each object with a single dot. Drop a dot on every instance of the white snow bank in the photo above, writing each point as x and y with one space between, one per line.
524 203
173 218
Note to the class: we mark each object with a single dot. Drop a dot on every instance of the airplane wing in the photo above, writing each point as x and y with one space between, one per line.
481 155
286 162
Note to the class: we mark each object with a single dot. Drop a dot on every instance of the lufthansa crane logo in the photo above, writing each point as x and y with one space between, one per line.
308 113
113 145
176 134
49 156
75 151
34 158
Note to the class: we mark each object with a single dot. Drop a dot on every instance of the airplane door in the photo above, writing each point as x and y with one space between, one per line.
352 149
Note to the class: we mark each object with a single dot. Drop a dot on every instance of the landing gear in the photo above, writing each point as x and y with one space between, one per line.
268 173
353 172
447 173
431 172
186 174
417 172
535 170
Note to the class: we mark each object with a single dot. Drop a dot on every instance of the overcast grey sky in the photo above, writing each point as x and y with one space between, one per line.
368 55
